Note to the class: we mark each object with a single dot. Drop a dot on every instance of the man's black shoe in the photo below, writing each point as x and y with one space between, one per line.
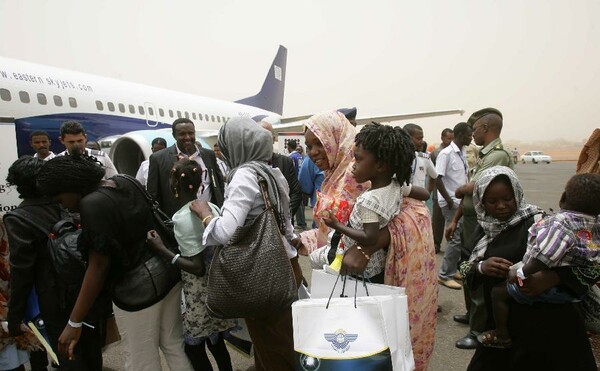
468 342
461 318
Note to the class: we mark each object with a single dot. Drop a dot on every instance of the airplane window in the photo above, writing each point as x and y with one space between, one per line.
141 109
206 117
179 114
42 99
58 100
161 112
150 111
24 97
131 108
171 113
194 115
121 108
224 120
72 102
200 116
218 119
212 118
111 106
5 95
99 105
187 115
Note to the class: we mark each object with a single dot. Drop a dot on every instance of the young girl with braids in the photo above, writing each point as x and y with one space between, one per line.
382 219
199 329
383 156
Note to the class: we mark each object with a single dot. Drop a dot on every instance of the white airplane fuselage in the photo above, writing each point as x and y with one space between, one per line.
39 97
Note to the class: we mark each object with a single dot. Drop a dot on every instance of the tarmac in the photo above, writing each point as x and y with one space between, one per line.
543 185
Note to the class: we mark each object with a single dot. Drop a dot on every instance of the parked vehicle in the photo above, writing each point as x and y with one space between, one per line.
535 157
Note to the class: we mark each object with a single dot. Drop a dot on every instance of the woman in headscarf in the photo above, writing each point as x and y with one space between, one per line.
410 261
539 332
329 140
243 142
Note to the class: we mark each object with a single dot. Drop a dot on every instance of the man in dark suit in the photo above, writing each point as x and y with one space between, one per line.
161 164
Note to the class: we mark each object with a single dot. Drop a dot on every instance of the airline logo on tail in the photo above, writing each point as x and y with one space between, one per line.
278 72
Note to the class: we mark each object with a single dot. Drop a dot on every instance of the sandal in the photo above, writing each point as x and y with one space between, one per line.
491 340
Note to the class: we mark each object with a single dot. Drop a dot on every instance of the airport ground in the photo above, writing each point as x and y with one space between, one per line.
543 185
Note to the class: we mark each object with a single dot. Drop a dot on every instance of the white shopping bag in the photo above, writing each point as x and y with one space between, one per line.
323 281
353 333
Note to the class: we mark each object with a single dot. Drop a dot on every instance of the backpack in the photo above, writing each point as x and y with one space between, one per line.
67 260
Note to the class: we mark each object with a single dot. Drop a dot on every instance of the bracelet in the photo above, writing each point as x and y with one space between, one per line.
75 324
205 219
365 255
479 265
175 258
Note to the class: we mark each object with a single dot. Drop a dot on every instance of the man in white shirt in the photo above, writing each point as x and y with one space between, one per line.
437 219
422 166
40 142
157 144
452 170
73 135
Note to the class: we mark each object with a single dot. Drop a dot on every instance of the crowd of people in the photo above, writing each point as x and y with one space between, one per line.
524 273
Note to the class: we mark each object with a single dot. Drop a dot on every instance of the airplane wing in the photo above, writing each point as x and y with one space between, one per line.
408 116
295 123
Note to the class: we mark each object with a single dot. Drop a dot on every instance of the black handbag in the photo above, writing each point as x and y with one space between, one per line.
149 280
251 276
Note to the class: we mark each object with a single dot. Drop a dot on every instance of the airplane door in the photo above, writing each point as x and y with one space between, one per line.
151 115
9 198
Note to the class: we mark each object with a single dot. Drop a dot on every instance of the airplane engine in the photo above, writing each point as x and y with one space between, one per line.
128 152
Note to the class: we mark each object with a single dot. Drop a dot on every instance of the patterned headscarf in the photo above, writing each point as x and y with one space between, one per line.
336 134
492 227
589 158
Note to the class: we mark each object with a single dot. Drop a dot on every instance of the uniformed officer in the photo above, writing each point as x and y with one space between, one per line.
73 135
487 126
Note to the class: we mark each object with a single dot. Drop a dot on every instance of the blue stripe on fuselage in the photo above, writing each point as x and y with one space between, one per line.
96 126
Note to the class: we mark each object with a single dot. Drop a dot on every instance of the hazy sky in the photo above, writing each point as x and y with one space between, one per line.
536 61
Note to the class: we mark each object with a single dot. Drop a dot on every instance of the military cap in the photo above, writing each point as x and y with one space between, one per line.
482 113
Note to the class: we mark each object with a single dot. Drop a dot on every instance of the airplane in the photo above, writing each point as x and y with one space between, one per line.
124 117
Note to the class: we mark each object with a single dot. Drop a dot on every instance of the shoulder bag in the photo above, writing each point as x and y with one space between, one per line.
251 276
151 278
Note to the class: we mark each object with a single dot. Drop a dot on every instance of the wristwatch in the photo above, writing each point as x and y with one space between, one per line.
521 274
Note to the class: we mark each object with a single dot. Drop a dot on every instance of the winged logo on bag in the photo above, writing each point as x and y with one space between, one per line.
340 340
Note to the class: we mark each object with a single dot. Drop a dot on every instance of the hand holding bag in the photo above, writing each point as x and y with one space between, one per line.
251 276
